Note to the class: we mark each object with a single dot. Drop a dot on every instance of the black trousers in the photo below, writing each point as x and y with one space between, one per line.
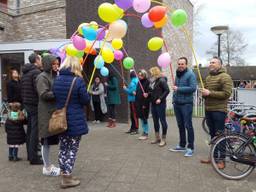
111 111
97 111
32 133
133 117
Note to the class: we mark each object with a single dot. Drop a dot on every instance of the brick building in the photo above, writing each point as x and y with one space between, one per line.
28 25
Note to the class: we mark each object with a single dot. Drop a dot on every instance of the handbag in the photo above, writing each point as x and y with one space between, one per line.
58 121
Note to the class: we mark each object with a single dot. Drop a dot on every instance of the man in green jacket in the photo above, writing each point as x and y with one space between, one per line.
217 91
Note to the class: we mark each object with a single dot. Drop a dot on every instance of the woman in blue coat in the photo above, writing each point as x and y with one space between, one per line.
77 126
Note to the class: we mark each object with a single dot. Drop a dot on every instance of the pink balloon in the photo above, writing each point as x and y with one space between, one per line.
164 60
118 55
141 6
146 21
78 42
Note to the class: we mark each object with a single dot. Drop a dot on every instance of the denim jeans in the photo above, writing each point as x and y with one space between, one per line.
159 113
183 115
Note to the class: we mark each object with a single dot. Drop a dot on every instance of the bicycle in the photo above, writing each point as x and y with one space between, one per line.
4 110
237 151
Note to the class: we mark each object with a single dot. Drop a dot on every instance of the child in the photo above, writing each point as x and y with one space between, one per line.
14 130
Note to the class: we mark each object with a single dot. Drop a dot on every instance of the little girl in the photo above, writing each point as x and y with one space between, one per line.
15 131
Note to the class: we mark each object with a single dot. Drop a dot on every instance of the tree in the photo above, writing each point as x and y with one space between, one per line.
232 48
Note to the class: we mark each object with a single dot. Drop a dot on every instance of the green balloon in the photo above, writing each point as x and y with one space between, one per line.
179 17
128 63
80 54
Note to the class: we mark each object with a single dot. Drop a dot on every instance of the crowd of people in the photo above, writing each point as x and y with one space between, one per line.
44 87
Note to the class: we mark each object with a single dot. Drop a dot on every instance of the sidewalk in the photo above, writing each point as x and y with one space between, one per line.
111 161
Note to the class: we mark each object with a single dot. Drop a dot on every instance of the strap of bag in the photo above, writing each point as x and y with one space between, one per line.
70 91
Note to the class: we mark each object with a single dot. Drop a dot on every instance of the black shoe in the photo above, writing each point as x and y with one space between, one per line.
10 158
36 162
134 132
128 132
16 159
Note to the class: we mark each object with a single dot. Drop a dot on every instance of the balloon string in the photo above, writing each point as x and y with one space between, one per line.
122 77
194 54
139 80
94 69
164 4
122 70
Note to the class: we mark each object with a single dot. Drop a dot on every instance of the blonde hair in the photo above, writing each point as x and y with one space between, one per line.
74 64
155 72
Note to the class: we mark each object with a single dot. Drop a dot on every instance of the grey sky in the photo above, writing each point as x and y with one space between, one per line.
237 14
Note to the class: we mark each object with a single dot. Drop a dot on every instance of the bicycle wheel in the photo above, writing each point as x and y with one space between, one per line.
224 149
205 127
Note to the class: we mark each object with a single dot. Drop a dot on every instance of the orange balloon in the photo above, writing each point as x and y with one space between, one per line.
88 47
161 23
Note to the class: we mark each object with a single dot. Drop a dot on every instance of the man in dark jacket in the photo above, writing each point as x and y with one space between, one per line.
185 86
218 89
30 102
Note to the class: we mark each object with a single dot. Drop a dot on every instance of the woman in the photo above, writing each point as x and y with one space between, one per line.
98 103
113 99
14 128
77 125
130 90
159 91
142 102
46 106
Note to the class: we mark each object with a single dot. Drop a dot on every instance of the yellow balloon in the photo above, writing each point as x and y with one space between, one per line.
119 11
117 43
155 43
94 25
107 55
108 13
79 29
118 29
71 50
161 23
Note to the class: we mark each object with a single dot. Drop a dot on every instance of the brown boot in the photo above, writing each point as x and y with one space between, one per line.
113 123
163 141
68 181
157 139
109 122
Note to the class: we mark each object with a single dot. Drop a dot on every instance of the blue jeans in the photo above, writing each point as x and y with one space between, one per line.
183 115
159 113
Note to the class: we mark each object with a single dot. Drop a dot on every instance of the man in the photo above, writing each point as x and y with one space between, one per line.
30 102
218 89
185 86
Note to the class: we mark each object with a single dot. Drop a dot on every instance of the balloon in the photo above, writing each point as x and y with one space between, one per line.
157 13
118 55
108 36
80 54
117 43
155 43
88 47
79 29
71 50
101 34
108 55
128 63
124 4
108 13
94 25
179 18
141 6
161 23
78 42
89 33
99 62
164 60
146 21
118 29
62 55
119 11
104 71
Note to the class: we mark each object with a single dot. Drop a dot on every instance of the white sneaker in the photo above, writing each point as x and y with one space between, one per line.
94 121
54 171
143 137
98 122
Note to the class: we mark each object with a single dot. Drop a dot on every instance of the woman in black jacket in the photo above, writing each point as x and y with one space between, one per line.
159 92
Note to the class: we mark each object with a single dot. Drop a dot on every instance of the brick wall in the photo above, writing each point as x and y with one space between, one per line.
6 21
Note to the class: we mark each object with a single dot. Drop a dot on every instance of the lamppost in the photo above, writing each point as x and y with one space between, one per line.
219 30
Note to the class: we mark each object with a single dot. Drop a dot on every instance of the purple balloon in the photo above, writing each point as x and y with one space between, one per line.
62 56
146 21
53 50
118 55
101 34
124 4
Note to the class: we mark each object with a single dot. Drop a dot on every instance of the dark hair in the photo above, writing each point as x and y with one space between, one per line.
11 72
132 74
218 58
33 57
185 58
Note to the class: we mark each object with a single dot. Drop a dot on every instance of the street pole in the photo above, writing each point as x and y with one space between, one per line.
219 45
